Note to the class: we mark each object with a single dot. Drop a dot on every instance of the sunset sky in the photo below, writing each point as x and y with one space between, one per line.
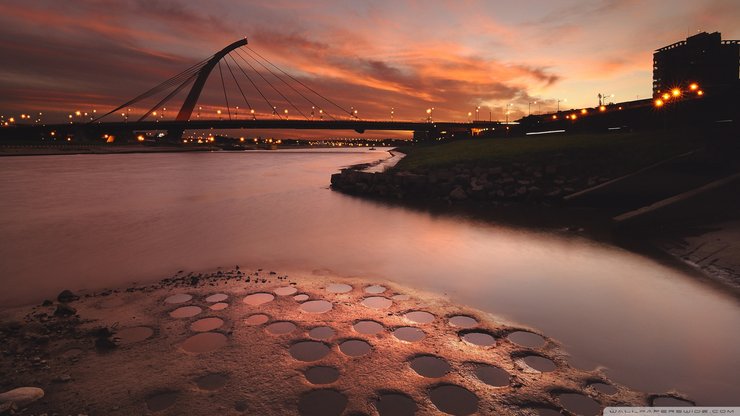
61 56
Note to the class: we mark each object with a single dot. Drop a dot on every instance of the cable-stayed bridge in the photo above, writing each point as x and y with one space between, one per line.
265 97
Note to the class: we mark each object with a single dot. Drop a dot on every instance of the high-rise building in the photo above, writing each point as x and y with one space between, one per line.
703 59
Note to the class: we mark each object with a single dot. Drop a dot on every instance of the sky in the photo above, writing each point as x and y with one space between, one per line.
372 56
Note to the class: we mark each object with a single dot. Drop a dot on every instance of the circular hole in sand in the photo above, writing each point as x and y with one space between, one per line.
542 364
161 401
204 342
526 339
321 375
218 297
219 306
256 319
301 298
323 402
285 291
281 328
321 332
395 404
430 366
401 297
543 411
668 401
316 306
355 348
211 382
368 327
580 404
454 400
480 339
134 334
178 298
375 289
603 388
309 350
206 324
377 302
463 321
492 375
409 334
186 312
256 299
338 288
420 317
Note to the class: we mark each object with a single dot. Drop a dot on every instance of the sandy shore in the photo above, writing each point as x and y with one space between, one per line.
235 342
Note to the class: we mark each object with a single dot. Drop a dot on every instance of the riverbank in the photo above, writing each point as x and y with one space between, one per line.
260 342
73 149
598 185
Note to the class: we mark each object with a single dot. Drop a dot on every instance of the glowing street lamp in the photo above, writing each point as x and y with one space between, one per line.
676 92
658 103
694 86
565 100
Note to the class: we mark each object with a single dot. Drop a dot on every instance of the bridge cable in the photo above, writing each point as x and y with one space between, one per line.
226 61
273 108
223 85
158 88
300 82
169 96
273 87
285 82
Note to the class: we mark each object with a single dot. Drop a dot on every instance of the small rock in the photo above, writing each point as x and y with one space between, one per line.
22 396
458 194
47 302
67 296
64 310
64 378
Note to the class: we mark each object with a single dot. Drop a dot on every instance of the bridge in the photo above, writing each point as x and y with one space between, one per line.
308 108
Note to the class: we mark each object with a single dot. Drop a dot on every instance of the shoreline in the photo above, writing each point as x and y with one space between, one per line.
547 210
11 151
77 346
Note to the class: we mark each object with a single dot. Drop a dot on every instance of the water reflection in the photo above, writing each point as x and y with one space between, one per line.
95 221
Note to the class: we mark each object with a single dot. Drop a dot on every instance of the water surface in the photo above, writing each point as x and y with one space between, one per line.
93 221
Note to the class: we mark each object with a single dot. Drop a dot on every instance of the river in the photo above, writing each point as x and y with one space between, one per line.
93 221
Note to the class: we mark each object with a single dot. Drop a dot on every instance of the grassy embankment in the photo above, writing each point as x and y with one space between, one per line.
603 154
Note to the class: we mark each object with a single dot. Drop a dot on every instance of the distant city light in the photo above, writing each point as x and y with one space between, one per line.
659 103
